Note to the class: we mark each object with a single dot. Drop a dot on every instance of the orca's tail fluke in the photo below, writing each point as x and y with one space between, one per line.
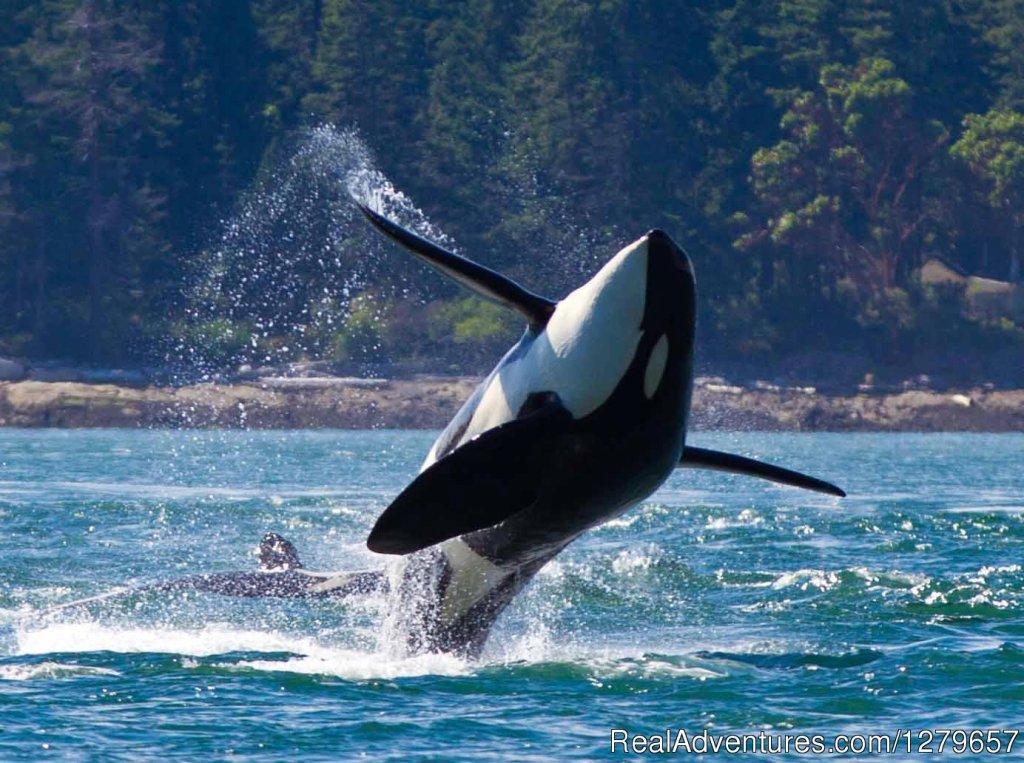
475 277
702 458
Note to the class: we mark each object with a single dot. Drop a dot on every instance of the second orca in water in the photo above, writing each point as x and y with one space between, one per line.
280 575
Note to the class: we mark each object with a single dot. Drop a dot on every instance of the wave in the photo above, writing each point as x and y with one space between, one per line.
70 638
52 670
237 649
360 666
164 491
791 661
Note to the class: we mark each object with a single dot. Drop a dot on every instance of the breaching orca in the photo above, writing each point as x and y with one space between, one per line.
583 418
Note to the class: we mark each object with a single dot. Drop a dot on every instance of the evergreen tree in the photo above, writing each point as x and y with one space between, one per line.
805 37
465 120
846 194
1001 25
288 35
85 65
932 47
212 83
605 106
369 71
992 145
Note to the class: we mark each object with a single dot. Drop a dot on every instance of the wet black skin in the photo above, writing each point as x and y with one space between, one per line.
622 452
603 464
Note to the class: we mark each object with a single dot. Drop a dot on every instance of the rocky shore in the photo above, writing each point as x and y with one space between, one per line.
429 402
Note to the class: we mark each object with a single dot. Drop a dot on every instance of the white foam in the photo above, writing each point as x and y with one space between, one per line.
633 561
654 667
307 656
623 522
361 666
14 614
49 670
1012 508
71 638
805 578
312 657
746 518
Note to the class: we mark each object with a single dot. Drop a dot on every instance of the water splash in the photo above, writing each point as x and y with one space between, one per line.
296 274
51 670
256 650
296 260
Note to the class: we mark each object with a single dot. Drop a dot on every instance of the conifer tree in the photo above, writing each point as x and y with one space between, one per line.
86 64
847 193
992 145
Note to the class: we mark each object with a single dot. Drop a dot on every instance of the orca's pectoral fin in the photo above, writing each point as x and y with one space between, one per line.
701 458
348 584
78 604
480 484
475 277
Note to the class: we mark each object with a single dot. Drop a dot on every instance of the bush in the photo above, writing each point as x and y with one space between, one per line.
218 342
361 336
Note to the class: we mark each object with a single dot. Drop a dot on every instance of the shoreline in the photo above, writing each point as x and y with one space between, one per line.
429 402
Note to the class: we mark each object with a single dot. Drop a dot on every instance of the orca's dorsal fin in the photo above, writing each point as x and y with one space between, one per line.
701 458
475 277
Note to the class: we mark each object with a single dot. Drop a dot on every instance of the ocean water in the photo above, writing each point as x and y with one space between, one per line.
722 604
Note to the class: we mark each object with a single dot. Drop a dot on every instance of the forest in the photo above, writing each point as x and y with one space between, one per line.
810 155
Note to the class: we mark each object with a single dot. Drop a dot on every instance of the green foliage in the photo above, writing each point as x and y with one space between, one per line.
471 320
992 144
222 341
1001 25
361 335
796 147
845 195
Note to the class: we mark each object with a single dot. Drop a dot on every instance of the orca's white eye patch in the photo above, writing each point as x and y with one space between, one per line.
655 366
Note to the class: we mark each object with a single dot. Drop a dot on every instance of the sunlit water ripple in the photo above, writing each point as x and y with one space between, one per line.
720 603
